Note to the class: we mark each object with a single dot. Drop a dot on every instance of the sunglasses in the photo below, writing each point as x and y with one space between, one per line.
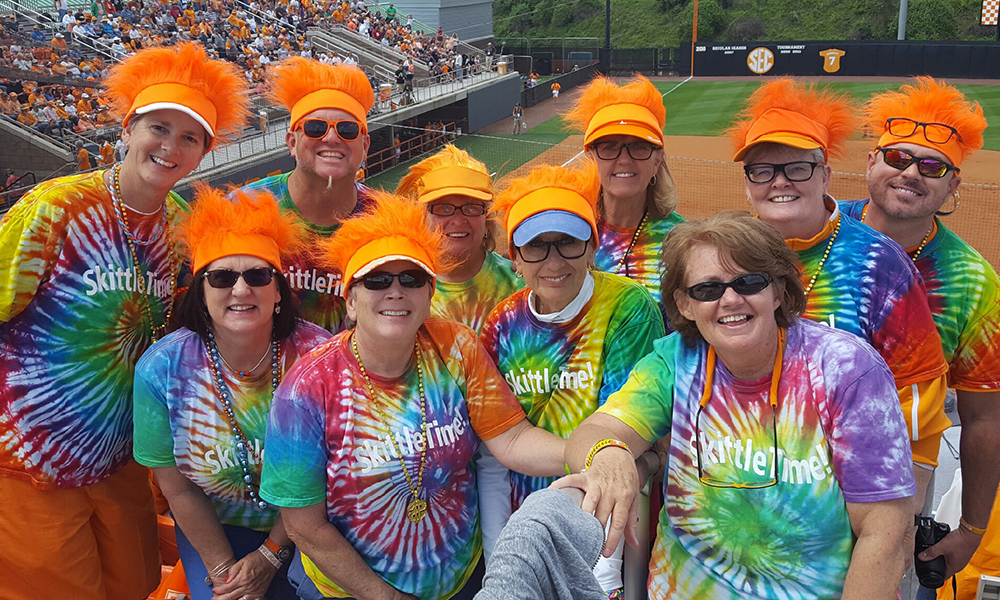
744 285
935 133
226 278
537 251
447 210
928 167
612 150
316 129
381 281
797 171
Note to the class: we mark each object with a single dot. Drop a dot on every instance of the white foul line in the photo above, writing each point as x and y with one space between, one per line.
677 86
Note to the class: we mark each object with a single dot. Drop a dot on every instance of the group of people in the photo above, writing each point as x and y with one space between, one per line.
421 364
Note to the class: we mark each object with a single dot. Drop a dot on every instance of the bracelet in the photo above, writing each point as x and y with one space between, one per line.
601 445
219 570
270 556
980 531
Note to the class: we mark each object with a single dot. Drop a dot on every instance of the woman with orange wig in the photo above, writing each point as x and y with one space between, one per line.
87 284
570 338
203 393
623 133
371 437
855 279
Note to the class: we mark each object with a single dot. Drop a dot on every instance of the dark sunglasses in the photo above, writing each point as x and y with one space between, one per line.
797 171
226 278
928 167
316 129
744 285
568 247
612 150
381 281
935 133
447 210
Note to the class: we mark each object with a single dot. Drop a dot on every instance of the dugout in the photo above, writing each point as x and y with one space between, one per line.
971 60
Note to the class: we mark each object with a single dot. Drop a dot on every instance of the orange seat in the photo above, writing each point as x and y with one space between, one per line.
173 584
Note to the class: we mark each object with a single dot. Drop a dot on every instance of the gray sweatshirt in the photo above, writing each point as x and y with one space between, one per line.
547 551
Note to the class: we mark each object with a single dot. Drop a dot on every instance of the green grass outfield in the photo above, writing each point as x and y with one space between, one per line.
708 107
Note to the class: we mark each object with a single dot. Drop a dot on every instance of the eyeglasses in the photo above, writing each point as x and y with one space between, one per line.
766 172
612 150
744 285
226 278
447 210
935 133
537 251
743 485
316 129
381 281
928 167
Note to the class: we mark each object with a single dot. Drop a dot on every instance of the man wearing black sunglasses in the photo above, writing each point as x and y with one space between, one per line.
927 129
328 138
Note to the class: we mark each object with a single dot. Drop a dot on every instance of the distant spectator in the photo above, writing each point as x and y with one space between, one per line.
518 118
82 157
37 35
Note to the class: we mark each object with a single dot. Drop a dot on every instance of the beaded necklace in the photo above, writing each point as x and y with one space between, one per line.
243 447
631 244
826 255
923 242
247 372
416 509
160 330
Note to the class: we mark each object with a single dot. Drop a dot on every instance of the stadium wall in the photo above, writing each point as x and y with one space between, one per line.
496 102
972 60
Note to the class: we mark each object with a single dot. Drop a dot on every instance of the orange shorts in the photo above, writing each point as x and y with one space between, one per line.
96 542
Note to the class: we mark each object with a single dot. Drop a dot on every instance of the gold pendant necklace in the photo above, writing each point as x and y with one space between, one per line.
923 242
416 509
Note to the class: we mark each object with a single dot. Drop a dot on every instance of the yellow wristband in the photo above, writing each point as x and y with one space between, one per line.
980 531
601 445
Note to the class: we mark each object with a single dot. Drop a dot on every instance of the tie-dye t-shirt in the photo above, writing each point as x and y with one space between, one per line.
180 420
841 437
643 263
869 287
72 327
470 301
327 443
561 372
963 292
316 288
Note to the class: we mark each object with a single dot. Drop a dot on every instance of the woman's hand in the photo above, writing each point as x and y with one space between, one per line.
249 578
611 486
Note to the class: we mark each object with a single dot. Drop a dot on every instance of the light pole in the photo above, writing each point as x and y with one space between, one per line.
901 31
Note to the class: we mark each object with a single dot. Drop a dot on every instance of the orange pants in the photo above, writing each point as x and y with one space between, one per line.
97 542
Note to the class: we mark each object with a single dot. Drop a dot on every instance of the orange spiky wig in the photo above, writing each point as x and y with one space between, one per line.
249 224
394 228
606 108
794 114
450 171
929 101
548 188
304 85
184 78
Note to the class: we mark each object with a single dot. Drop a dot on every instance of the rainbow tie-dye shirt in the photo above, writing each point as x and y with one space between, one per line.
327 443
963 292
180 421
72 327
470 301
841 437
869 287
561 372
643 264
316 288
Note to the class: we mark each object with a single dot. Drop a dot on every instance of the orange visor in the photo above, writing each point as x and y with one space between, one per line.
550 198
259 246
624 119
381 251
454 180
788 128
175 96
328 98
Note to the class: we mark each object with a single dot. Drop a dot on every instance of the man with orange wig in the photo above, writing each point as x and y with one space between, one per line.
623 133
87 284
371 438
926 130
854 279
328 138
